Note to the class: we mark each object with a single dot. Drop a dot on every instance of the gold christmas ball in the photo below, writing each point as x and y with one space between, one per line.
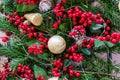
119 5
56 44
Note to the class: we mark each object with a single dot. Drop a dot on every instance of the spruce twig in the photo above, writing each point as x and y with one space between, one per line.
35 59
99 73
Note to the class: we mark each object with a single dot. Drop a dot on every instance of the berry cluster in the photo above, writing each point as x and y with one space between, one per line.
36 49
59 12
72 55
39 49
16 19
25 28
71 72
7 71
24 72
88 43
113 37
77 30
39 77
56 24
83 18
58 65
42 39
27 1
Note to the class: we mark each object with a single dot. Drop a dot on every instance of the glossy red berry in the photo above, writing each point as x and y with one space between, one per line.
4 39
77 74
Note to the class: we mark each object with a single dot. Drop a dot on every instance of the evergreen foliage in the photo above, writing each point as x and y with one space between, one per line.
91 67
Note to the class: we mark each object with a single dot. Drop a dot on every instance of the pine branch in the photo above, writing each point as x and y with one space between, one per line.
9 6
11 53
110 11
5 25
36 60
99 73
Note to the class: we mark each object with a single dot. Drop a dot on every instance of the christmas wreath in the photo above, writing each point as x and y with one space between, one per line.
55 40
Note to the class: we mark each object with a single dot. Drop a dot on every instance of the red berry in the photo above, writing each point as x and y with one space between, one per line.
70 67
107 28
19 69
107 21
89 21
98 15
92 40
64 69
20 65
76 46
106 33
80 58
71 71
88 46
4 39
42 78
55 25
108 37
38 77
59 21
66 55
4 65
77 74
15 13
114 41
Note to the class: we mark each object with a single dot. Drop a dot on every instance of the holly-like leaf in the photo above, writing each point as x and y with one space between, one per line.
98 43
109 44
11 77
96 28
39 71
24 8
61 79
31 42
14 63
86 51
67 63
19 8
62 27
43 56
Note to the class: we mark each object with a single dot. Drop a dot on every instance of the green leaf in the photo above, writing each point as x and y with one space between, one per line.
19 7
43 56
39 71
109 44
62 27
14 63
25 8
86 51
11 77
67 63
96 28
60 78
31 42
98 43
